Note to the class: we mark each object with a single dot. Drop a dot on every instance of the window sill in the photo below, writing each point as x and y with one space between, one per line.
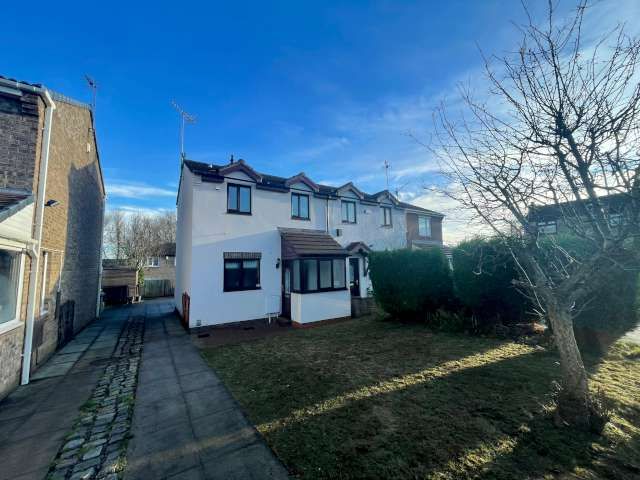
386 226
242 290
348 223
305 219
9 326
324 290
232 212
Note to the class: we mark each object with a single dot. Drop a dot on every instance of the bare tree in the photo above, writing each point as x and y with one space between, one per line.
137 236
560 125
114 234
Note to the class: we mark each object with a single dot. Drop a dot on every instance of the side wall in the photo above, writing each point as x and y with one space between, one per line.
183 237
72 230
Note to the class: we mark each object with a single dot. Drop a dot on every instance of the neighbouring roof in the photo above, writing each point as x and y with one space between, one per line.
12 201
116 263
614 203
167 249
216 174
300 243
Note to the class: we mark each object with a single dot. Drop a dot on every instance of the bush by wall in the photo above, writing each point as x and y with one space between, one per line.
483 274
411 284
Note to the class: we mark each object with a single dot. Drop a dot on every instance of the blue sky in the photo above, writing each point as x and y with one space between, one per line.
329 88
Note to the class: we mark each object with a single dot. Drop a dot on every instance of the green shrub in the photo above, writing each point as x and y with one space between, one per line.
411 284
483 275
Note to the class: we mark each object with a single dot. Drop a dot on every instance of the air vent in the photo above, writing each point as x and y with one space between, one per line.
338 232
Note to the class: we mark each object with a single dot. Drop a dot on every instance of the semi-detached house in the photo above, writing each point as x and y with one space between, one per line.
251 246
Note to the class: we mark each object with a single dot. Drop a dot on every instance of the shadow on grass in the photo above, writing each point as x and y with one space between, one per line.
278 376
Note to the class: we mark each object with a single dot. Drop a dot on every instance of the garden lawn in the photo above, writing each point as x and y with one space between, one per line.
369 398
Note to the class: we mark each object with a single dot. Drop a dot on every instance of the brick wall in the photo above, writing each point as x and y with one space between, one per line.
73 229
19 122
412 229
165 271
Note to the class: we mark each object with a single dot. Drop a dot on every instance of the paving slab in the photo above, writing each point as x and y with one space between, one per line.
186 424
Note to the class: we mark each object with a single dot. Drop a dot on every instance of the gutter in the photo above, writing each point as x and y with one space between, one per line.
34 252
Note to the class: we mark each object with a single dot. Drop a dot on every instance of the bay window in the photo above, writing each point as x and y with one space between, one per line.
318 275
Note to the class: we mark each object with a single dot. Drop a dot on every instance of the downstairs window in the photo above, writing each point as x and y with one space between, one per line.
241 274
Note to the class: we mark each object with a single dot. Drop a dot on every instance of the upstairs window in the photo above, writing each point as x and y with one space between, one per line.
424 226
348 211
153 262
386 216
299 206
241 273
239 199
548 227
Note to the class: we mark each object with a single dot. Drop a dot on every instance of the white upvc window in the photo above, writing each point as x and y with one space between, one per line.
11 271
153 262
43 290
550 227
424 226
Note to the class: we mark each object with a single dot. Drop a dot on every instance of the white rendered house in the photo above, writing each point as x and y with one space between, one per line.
251 246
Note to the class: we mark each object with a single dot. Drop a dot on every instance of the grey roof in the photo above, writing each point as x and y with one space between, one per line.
300 243
212 173
12 201
615 203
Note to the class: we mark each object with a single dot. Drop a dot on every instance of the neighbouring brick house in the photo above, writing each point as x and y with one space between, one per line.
51 213
160 272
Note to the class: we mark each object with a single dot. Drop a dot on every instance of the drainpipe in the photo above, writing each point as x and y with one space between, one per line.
327 215
34 252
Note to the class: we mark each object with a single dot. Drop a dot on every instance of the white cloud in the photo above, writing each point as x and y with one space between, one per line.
135 209
124 189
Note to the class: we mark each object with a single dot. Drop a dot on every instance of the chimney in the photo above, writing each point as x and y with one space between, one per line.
231 160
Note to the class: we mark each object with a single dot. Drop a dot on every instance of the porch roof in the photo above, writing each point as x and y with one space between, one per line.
358 247
300 243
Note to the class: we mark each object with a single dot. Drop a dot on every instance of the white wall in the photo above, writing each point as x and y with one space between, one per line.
313 307
183 237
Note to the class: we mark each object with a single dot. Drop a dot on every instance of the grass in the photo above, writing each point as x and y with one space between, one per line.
374 399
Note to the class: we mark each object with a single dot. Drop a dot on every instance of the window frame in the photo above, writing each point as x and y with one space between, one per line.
43 286
355 211
150 263
225 288
15 322
237 211
547 227
303 287
386 209
297 196
428 226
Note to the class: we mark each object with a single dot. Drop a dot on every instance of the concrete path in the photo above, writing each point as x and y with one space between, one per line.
35 418
186 425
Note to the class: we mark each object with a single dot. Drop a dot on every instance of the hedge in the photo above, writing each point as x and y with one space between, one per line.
411 284
483 274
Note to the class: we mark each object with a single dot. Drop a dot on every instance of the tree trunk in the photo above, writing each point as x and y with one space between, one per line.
574 404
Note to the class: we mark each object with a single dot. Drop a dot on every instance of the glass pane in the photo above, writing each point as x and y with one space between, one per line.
296 275
295 211
245 199
423 229
8 285
352 212
287 280
325 273
232 275
250 263
311 273
231 265
338 274
345 213
250 278
232 198
304 206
